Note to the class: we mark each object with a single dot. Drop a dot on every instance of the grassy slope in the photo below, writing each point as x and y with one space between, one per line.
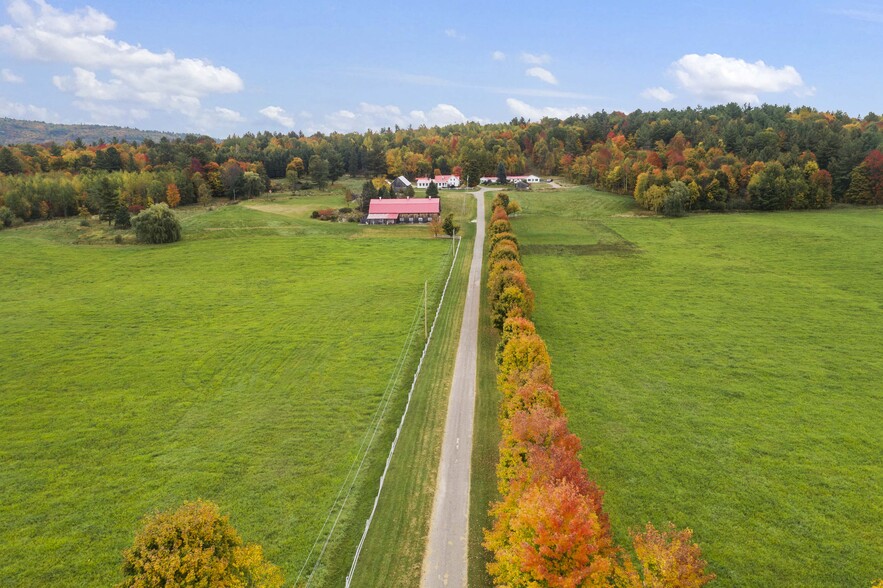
241 365
394 550
485 451
725 376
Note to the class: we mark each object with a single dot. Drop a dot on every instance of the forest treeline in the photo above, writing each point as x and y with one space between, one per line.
718 158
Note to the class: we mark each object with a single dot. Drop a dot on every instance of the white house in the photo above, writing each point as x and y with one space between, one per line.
531 179
441 181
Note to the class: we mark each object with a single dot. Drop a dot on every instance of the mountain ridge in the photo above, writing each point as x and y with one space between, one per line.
17 131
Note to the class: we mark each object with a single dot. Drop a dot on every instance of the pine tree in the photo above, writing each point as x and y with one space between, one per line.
432 190
501 174
108 199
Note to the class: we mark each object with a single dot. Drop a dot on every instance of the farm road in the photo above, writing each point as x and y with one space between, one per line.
445 561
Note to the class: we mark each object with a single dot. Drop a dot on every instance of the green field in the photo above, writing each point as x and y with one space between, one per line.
725 373
243 365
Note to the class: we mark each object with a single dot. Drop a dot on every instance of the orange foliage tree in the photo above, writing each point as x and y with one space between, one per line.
173 195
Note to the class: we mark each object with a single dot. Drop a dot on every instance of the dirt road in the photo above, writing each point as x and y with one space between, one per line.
445 561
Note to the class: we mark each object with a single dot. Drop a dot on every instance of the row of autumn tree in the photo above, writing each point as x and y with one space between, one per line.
549 527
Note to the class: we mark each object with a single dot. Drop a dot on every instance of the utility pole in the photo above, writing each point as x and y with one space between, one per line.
425 316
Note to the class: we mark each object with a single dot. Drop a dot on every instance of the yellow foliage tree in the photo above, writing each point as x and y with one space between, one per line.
195 546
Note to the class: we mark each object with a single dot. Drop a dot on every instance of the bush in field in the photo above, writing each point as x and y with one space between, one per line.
6 217
195 546
158 224
675 202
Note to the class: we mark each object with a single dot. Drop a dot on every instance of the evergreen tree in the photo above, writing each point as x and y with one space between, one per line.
501 174
369 191
449 227
432 190
108 199
9 163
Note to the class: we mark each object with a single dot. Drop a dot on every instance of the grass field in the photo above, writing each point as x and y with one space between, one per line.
242 365
724 372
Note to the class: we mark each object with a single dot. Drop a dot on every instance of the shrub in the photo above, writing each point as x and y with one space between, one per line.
194 546
6 217
84 222
118 239
314 214
344 210
156 225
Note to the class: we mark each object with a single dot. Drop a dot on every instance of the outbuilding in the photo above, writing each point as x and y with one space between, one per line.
390 211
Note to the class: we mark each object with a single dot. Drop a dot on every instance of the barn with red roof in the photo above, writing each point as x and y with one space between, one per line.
389 211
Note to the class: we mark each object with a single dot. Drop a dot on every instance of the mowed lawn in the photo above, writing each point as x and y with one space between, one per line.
242 365
725 373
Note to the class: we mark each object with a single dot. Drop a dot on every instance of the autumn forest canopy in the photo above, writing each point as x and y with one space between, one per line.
718 158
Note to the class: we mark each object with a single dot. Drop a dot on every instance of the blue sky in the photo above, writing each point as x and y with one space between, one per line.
224 67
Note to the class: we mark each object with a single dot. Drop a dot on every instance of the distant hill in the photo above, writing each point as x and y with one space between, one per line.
13 132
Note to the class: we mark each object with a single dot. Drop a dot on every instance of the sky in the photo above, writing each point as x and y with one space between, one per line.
224 67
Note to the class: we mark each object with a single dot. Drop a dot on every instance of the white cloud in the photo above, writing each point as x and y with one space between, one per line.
377 116
10 77
278 115
527 111
498 56
25 111
453 34
658 93
542 74
135 78
441 115
715 77
534 59
227 115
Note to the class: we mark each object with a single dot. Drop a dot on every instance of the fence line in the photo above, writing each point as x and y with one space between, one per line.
373 424
349 577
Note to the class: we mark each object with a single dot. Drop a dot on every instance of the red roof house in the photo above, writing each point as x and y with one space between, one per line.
388 211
